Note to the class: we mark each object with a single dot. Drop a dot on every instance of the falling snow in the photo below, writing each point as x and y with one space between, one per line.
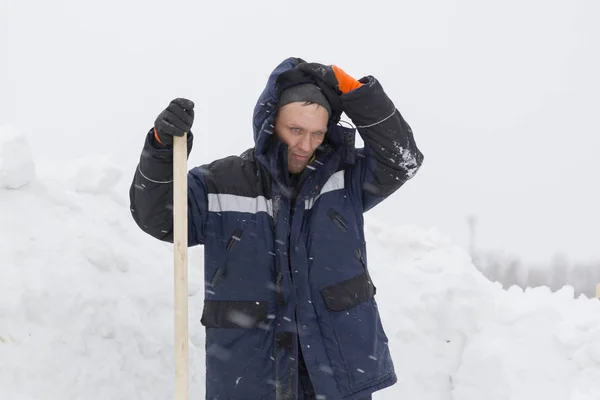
79 283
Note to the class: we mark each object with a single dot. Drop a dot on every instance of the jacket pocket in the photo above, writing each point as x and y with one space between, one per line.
221 272
233 314
359 336
349 293
238 350
337 220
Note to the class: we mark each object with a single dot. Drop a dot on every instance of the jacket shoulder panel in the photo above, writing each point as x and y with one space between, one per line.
236 175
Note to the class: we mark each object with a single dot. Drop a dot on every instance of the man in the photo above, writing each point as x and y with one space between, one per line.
289 309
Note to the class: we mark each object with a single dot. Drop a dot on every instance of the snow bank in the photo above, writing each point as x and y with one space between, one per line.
455 335
86 305
85 300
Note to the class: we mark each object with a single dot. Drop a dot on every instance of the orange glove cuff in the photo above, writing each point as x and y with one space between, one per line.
346 83
156 136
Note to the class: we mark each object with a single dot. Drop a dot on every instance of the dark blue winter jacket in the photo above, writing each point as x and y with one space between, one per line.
283 268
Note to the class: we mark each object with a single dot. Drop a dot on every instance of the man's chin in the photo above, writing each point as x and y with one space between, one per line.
295 169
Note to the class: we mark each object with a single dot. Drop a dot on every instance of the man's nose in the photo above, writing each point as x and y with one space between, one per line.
304 144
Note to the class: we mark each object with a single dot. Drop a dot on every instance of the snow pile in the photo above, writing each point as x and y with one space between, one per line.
86 305
95 175
455 335
538 345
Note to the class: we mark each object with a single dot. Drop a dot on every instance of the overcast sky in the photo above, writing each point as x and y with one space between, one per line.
503 97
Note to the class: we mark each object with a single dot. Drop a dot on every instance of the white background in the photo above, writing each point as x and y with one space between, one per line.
502 96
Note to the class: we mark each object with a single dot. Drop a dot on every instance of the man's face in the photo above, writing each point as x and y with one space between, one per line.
302 127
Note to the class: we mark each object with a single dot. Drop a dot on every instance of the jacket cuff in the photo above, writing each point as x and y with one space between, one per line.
156 161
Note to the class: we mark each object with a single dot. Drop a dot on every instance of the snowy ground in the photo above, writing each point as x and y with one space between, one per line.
86 304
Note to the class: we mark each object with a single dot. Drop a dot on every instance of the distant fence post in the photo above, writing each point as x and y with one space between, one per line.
472 221
598 290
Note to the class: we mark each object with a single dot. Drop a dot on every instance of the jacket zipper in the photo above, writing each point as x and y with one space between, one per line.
279 288
337 219
235 237
216 277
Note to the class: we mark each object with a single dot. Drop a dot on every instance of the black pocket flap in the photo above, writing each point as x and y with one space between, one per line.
233 314
349 293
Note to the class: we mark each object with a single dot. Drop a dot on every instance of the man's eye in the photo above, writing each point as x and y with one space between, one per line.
294 129
319 133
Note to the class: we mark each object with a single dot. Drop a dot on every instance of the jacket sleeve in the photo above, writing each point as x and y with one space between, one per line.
151 194
390 156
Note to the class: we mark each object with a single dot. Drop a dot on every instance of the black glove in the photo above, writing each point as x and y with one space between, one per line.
175 120
324 73
327 81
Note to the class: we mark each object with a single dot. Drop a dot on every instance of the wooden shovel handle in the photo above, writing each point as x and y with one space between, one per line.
180 243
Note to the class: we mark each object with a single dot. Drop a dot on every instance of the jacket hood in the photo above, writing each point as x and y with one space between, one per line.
267 105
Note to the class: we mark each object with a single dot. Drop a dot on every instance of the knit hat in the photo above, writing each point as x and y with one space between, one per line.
304 92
